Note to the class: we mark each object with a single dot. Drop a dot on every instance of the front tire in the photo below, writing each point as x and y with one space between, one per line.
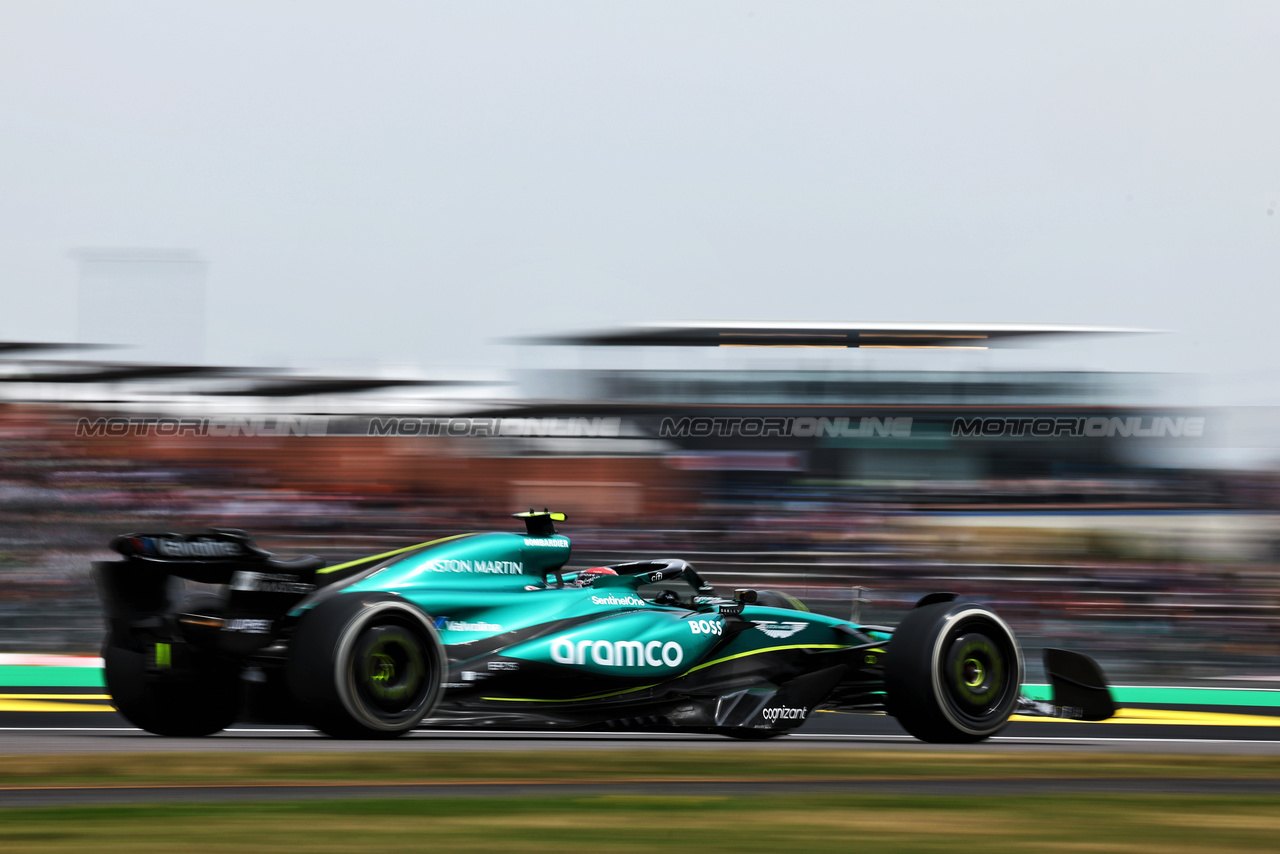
365 666
952 673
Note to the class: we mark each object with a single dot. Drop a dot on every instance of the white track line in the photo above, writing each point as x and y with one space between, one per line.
588 736
1015 739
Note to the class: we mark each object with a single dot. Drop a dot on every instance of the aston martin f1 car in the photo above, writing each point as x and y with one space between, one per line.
493 630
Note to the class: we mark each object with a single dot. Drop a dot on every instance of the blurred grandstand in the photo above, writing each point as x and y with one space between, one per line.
854 489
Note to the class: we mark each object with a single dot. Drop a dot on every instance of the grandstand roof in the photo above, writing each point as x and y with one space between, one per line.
885 335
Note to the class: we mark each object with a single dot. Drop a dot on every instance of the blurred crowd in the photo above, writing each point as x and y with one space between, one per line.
1190 589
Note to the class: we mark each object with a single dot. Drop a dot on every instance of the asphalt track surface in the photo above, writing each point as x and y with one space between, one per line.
56 720
85 724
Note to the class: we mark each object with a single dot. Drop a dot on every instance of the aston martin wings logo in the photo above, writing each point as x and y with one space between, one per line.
778 630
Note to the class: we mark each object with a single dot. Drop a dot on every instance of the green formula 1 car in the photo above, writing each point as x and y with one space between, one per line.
492 630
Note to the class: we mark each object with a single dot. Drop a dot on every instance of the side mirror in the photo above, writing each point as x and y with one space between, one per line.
745 596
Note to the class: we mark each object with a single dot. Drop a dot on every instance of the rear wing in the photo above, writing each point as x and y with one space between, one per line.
260 587
210 558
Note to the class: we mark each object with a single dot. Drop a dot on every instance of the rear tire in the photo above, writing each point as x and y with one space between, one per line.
365 666
199 696
952 673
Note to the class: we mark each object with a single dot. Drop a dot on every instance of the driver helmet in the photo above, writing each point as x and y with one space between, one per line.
588 577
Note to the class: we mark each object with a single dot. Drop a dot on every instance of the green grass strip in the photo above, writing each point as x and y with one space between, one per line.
621 823
408 765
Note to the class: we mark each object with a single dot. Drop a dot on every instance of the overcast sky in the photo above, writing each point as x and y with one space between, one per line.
380 182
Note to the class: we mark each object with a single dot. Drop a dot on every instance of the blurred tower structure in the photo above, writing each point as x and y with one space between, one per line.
152 300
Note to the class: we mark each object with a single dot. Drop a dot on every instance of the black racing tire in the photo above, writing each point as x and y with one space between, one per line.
778 599
952 673
200 696
365 666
